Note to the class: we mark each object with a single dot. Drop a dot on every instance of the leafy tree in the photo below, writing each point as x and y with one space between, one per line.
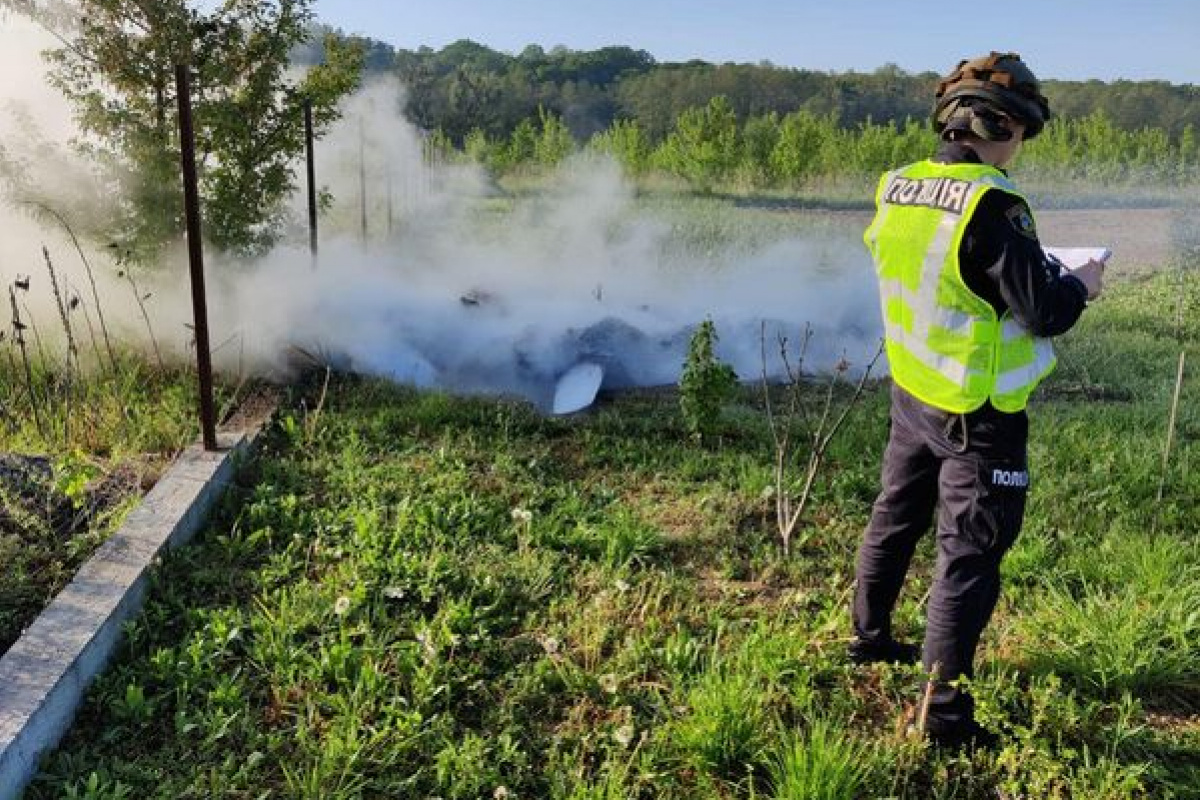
466 54
797 153
469 96
522 146
555 142
703 146
116 65
871 148
586 109
760 135
476 146
627 143
1188 152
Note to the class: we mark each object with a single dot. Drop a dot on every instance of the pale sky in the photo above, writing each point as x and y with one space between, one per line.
1071 40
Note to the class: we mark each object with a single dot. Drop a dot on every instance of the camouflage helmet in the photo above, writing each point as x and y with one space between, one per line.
998 81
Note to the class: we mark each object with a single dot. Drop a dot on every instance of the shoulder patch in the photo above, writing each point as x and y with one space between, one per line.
1021 219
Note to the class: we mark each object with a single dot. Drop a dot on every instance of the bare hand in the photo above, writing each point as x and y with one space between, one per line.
1092 275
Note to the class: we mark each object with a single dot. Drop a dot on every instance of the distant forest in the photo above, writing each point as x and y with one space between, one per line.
467 87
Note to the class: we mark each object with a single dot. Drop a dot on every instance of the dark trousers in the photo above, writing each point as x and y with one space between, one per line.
972 469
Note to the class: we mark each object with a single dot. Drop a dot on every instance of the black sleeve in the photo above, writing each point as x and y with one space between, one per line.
1002 261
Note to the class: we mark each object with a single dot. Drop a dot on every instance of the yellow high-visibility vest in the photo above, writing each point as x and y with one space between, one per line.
946 345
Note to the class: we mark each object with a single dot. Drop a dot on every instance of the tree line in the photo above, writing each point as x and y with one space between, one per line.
467 86
710 149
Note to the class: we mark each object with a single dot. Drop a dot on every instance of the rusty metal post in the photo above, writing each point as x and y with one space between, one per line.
312 180
191 203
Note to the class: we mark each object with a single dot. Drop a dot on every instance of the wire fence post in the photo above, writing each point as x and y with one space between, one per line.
312 180
362 178
191 202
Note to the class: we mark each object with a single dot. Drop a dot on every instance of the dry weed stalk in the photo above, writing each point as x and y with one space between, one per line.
1171 420
71 365
49 211
76 302
43 359
11 392
19 327
141 301
927 698
819 431
311 420
243 378
63 314
1180 335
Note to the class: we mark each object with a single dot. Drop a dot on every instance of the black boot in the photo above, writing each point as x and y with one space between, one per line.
887 651
960 737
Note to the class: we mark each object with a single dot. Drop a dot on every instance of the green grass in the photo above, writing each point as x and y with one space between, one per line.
78 446
823 762
52 516
421 596
86 425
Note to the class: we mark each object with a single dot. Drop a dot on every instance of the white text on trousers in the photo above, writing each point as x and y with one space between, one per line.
1015 478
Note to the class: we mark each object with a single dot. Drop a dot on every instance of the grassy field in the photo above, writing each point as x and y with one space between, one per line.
412 595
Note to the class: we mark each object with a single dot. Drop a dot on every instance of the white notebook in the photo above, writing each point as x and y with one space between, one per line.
1075 257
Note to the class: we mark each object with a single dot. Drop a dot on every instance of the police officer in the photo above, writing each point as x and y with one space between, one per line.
969 301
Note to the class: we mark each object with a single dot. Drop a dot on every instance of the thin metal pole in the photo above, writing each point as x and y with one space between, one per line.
390 205
312 180
362 178
191 204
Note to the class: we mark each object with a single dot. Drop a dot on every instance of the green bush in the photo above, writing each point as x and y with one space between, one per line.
707 383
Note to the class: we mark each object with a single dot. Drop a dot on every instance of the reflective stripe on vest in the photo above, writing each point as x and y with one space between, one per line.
1014 380
945 343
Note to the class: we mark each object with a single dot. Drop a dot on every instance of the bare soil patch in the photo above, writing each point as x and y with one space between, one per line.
1143 240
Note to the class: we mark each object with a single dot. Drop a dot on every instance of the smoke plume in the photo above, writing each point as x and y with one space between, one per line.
429 274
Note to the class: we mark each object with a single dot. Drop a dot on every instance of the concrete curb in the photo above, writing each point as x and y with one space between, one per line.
44 675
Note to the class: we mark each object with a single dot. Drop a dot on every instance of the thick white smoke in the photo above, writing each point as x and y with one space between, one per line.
455 286
428 274
47 194
35 126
